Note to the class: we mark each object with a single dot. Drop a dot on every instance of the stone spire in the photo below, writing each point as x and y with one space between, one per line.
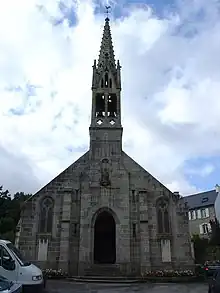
105 128
106 56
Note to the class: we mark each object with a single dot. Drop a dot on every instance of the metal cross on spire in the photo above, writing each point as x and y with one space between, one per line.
107 10
106 51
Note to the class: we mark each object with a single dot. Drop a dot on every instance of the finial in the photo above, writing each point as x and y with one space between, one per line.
107 11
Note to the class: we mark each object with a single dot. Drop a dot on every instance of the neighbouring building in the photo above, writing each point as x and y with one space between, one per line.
105 212
201 211
217 203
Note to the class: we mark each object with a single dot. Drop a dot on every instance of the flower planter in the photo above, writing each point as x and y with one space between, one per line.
54 274
184 276
166 276
173 279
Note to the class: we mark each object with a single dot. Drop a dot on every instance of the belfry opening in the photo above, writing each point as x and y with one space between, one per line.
105 239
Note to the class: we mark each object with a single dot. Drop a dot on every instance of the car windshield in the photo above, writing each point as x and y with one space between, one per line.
18 254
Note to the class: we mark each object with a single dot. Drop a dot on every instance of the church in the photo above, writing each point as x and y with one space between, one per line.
105 213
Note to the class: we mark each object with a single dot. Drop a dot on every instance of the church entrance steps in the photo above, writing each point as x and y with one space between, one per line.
111 270
104 279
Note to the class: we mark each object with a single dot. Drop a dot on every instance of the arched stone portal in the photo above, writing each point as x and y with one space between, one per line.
105 239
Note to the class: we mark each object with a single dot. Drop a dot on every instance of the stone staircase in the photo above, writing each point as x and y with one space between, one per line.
104 270
104 273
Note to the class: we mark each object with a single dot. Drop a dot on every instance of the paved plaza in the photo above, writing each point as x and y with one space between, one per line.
70 287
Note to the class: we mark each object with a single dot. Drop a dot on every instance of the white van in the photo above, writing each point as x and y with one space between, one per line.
16 269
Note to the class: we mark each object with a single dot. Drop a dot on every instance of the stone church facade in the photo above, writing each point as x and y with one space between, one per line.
105 210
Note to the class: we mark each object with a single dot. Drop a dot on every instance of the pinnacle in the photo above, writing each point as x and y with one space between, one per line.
106 55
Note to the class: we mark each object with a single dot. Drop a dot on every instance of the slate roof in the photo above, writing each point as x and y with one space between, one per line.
202 199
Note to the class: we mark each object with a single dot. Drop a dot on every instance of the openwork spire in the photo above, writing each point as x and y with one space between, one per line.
106 56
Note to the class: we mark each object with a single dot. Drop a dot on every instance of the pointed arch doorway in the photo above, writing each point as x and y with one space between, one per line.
105 239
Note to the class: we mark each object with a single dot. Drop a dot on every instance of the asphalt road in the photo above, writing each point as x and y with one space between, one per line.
71 287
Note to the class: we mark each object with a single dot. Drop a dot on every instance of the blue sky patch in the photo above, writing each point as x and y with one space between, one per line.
196 176
17 111
80 149
67 14
16 89
28 89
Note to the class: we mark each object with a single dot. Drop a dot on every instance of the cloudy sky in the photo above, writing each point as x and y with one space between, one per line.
169 52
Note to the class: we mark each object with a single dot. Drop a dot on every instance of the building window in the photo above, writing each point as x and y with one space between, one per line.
46 215
205 199
205 213
166 221
75 228
160 220
192 215
163 221
133 196
198 214
205 228
75 195
189 214
134 230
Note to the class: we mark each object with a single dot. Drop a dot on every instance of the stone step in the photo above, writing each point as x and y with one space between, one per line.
103 279
103 270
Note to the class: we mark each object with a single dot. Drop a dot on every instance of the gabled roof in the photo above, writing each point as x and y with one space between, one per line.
77 162
202 199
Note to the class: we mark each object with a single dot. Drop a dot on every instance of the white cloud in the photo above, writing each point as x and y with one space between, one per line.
170 91
203 171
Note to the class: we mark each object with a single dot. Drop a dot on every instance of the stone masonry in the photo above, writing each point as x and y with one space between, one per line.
151 222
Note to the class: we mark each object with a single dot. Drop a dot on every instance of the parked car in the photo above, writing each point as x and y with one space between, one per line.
210 267
214 282
7 286
210 270
15 268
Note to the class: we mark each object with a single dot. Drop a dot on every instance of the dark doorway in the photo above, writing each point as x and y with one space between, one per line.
104 239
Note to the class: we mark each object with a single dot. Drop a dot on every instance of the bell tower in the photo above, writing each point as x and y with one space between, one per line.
106 129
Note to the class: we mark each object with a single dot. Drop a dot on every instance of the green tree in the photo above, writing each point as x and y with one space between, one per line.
10 210
200 247
6 221
215 236
17 202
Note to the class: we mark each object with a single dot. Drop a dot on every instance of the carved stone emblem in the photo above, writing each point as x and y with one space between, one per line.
105 180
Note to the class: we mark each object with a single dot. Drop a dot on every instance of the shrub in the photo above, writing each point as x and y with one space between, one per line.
199 270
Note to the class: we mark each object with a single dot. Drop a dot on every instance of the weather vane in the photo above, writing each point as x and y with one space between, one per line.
107 10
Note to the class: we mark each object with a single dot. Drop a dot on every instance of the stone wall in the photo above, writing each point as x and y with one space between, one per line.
183 252
114 199
149 242
63 242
